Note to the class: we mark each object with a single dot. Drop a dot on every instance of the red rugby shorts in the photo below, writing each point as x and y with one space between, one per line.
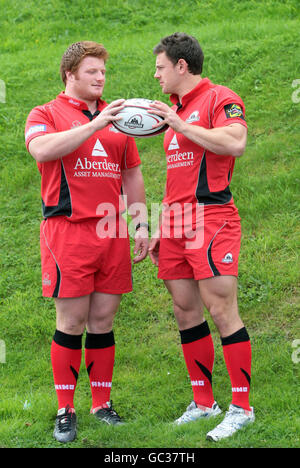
76 262
214 251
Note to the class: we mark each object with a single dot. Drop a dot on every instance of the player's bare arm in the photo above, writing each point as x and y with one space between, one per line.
133 188
229 140
56 145
155 241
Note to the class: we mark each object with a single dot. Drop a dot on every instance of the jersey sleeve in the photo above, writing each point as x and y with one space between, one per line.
228 108
38 123
131 156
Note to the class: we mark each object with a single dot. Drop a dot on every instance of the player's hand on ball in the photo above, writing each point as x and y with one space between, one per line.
109 114
170 117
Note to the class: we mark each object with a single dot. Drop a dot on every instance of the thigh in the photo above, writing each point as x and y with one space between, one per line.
220 288
72 314
103 308
187 303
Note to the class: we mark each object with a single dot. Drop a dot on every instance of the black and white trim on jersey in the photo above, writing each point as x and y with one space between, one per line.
203 193
64 206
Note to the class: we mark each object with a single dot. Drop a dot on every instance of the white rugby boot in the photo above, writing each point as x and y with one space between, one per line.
194 412
235 419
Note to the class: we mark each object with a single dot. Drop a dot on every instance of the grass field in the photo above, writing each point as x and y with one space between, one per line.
251 46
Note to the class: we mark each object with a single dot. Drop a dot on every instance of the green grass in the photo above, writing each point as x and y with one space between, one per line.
251 46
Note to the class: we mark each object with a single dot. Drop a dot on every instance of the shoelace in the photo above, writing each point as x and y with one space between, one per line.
111 413
189 414
65 421
230 421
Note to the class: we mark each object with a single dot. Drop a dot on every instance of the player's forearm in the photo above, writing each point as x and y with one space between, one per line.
223 140
56 145
133 187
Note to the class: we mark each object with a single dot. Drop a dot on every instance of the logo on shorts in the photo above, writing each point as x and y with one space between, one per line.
46 279
228 258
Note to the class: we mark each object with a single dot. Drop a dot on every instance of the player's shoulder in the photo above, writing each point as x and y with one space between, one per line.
43 108
223 92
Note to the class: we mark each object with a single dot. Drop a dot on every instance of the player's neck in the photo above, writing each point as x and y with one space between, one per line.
91 104
188 84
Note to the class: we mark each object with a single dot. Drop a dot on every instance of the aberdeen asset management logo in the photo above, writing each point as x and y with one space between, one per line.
173 143
98 149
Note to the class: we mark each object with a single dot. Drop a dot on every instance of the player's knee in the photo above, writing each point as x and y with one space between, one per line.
224 314
187 318
72 328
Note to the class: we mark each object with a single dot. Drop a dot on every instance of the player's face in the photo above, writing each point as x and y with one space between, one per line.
88 82
166 74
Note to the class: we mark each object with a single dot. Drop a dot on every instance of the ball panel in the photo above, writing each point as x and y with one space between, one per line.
136 121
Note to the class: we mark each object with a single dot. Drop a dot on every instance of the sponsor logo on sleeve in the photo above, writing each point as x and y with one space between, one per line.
234 111
35 129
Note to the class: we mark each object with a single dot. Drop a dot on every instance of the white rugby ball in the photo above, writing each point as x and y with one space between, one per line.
137 121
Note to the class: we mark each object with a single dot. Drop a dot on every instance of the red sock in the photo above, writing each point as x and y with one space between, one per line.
198 351
66 359
237 355
99 360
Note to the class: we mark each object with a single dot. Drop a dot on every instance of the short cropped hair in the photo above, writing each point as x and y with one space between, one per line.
76 52
182 46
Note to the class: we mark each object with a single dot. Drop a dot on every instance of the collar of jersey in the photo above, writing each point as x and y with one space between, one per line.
201 87
77 103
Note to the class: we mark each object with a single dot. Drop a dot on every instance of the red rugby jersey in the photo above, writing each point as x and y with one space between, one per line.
74 185
194 174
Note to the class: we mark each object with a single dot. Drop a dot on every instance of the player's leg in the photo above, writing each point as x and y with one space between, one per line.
219 295
66 354
197 346
100 353
187 303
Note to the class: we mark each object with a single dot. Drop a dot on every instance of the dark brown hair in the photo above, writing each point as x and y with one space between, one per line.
182 46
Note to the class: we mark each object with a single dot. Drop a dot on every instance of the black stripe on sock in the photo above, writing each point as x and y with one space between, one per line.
99 340
237 337
89 368
205 371
67 341
247 376
74 372
194 333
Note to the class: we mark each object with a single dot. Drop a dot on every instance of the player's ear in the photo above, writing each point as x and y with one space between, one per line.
182 65
69 76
